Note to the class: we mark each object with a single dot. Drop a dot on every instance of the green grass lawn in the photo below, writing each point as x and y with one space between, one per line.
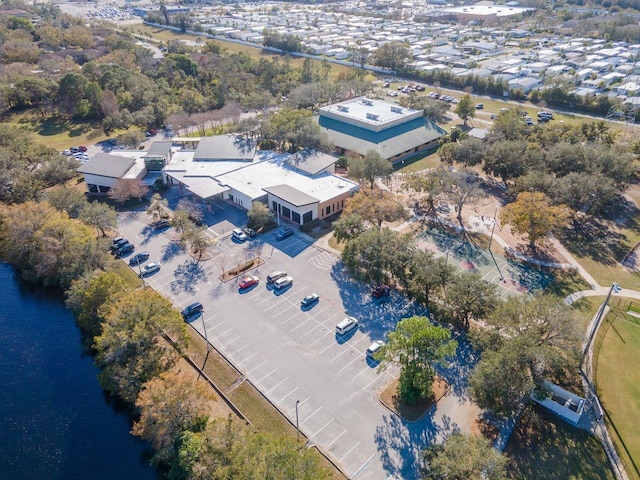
616 359
543 447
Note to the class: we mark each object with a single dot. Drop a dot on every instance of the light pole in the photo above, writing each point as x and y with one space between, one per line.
206 339
297 422
493 227
144 284
615 288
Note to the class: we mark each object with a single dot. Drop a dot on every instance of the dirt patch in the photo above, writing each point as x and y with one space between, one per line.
482 426
412 413
201 257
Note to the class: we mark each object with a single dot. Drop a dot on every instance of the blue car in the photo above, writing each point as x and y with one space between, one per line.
285 232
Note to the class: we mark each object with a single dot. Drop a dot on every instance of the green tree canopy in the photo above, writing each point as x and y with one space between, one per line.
131 349
259 215
465 108
370 167
463 457
417 346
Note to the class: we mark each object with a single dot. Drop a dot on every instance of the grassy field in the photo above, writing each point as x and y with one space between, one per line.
617 377
542 447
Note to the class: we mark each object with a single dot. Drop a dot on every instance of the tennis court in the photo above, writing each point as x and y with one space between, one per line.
510 274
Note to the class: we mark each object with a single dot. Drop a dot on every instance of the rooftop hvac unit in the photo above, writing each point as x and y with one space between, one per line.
366 101
372 116
342 108
396 109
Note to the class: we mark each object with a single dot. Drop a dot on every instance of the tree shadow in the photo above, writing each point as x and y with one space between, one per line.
172 250
593 238
187 276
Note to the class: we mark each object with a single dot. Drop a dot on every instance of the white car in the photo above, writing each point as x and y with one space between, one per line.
283 282
346 325
374 348
239 235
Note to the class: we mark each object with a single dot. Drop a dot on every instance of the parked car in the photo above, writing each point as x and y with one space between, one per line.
374 348
310 299
273 276
149 269
139 258
82 148
493 116
124 249
162 224
249 281
283 282
239 235
420 88
74 149
479 106
385 85
192 310
285 232
249 232
68 153
117 242
346 325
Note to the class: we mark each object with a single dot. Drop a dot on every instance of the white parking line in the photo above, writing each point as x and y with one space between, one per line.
231 354
348 364
346 350
327 348
335 439
248 358
268 374
363 466
256 367
224 333
277 385
308 417
351 450
319 339
232 341
378 377
288 394
322 427
318 325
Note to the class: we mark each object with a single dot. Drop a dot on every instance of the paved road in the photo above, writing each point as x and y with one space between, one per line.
292 354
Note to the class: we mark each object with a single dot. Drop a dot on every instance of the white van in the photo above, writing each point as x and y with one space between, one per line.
374 348
346 325
273 276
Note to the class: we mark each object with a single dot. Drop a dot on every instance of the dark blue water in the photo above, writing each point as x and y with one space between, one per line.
55 423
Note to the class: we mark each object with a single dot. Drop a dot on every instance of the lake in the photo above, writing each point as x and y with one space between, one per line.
55 422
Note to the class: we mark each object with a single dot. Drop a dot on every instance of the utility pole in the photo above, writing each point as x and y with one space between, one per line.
297 422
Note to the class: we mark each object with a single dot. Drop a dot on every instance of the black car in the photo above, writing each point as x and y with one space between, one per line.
192 310
124 249
139 258
380 291
285 232
117 242
162 224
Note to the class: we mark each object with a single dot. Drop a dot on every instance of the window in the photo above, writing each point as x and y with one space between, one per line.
307 217
327 210
295 216
274 206
93 188
286 212
231 197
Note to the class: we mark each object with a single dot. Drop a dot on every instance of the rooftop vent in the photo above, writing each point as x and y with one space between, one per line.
373 116
366 101
342 108
396 109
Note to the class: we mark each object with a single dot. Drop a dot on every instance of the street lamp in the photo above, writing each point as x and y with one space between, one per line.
206 339
297 422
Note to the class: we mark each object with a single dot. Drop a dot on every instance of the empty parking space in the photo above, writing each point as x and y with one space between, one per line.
289 352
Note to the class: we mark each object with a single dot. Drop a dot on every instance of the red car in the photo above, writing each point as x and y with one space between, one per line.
82 148
247 282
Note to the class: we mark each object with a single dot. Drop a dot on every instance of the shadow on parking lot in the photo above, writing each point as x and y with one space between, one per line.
149 232
187 276
400 443
458 370
171 250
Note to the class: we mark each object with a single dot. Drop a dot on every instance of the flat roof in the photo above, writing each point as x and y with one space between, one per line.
225 147
371 114
498 10
291 195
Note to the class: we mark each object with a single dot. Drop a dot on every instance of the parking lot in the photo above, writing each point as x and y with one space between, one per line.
293 354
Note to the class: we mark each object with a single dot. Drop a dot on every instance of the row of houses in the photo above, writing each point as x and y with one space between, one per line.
301 187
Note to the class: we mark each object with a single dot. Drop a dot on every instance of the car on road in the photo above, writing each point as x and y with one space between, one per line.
139 258
249 232
125 248
273 276
162 224
192 310
249 281
283 282
310 299
346 325
479 106
374 348
239 235
153 267
285 232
